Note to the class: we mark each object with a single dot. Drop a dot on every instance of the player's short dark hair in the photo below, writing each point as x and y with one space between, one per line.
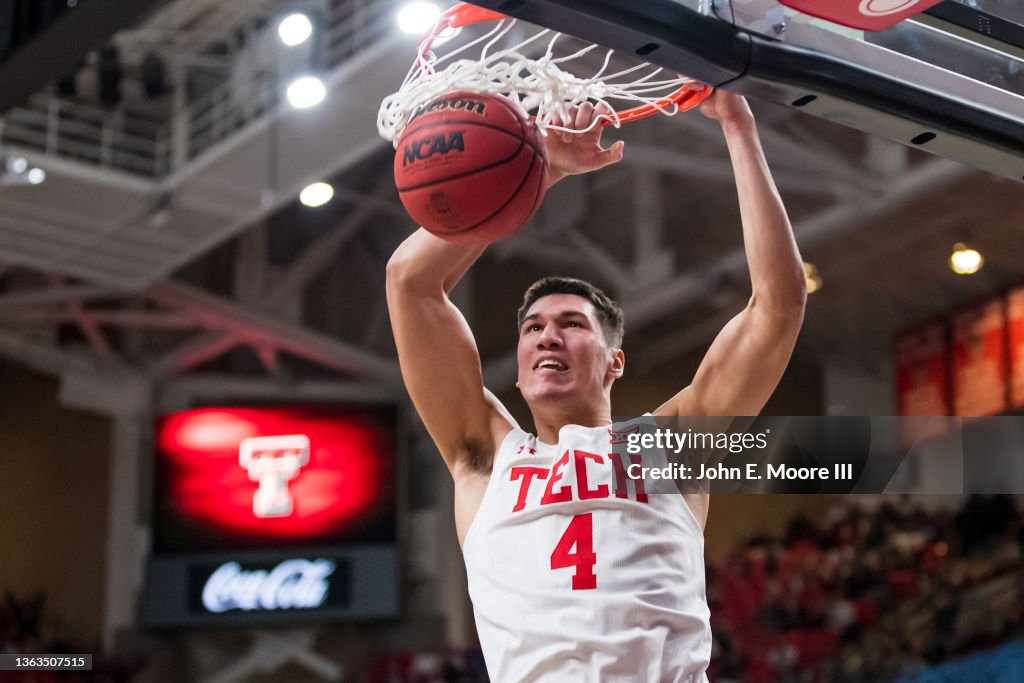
608 312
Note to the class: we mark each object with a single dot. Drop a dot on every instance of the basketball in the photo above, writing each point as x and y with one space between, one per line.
471 168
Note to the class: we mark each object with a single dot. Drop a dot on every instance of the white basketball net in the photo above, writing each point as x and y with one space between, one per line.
535 83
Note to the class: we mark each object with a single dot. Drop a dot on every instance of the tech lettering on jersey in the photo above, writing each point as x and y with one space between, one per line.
559 491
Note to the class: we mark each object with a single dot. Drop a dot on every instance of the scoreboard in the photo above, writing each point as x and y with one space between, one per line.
273 514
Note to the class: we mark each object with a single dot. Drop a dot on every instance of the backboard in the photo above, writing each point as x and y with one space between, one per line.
949 80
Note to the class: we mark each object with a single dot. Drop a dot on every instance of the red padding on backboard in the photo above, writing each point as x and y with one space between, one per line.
866 15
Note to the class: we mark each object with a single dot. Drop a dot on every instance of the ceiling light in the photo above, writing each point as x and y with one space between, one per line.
306 92
17 164
417 17
964 260
295 29
36 176
814 281
316 194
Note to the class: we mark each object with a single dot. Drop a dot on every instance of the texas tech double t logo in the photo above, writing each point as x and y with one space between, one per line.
273 461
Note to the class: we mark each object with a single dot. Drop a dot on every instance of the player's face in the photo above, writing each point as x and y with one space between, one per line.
562 350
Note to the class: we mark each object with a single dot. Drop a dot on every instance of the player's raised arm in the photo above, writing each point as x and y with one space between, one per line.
436 350
747 359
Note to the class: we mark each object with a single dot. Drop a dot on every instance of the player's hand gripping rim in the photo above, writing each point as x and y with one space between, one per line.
577 153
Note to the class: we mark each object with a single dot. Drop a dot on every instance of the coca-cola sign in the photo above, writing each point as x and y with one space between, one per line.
292 584
302 586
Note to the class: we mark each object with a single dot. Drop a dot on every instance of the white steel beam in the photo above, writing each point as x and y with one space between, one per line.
387 206
613 271
183 392
547 254
44 358
651 262
251 265
785 153
89 173
719 169
117 318
123 552
685 340
54 295
308 265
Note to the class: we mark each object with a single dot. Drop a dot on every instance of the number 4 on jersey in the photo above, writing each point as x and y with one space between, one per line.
580 535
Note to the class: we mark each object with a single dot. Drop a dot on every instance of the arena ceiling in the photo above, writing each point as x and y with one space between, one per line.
166 254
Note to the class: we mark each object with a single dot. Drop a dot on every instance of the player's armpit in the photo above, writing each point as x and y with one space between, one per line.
743 366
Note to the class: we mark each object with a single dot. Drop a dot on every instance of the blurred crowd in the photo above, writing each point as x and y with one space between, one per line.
868 595
864 595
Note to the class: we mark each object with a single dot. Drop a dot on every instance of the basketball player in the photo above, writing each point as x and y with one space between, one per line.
575 573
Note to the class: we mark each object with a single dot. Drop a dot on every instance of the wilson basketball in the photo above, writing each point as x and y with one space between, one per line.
471 168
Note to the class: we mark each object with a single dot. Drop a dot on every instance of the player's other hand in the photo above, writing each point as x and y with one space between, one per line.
727 108
575 153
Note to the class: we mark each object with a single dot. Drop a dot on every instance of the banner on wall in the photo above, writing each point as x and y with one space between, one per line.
979 361
922 382
1015 323
922 379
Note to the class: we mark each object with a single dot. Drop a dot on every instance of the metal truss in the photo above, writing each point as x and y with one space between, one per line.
217 323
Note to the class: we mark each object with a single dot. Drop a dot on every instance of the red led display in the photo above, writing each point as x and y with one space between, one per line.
240 477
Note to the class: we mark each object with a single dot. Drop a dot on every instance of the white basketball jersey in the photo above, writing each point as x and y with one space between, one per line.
577 574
